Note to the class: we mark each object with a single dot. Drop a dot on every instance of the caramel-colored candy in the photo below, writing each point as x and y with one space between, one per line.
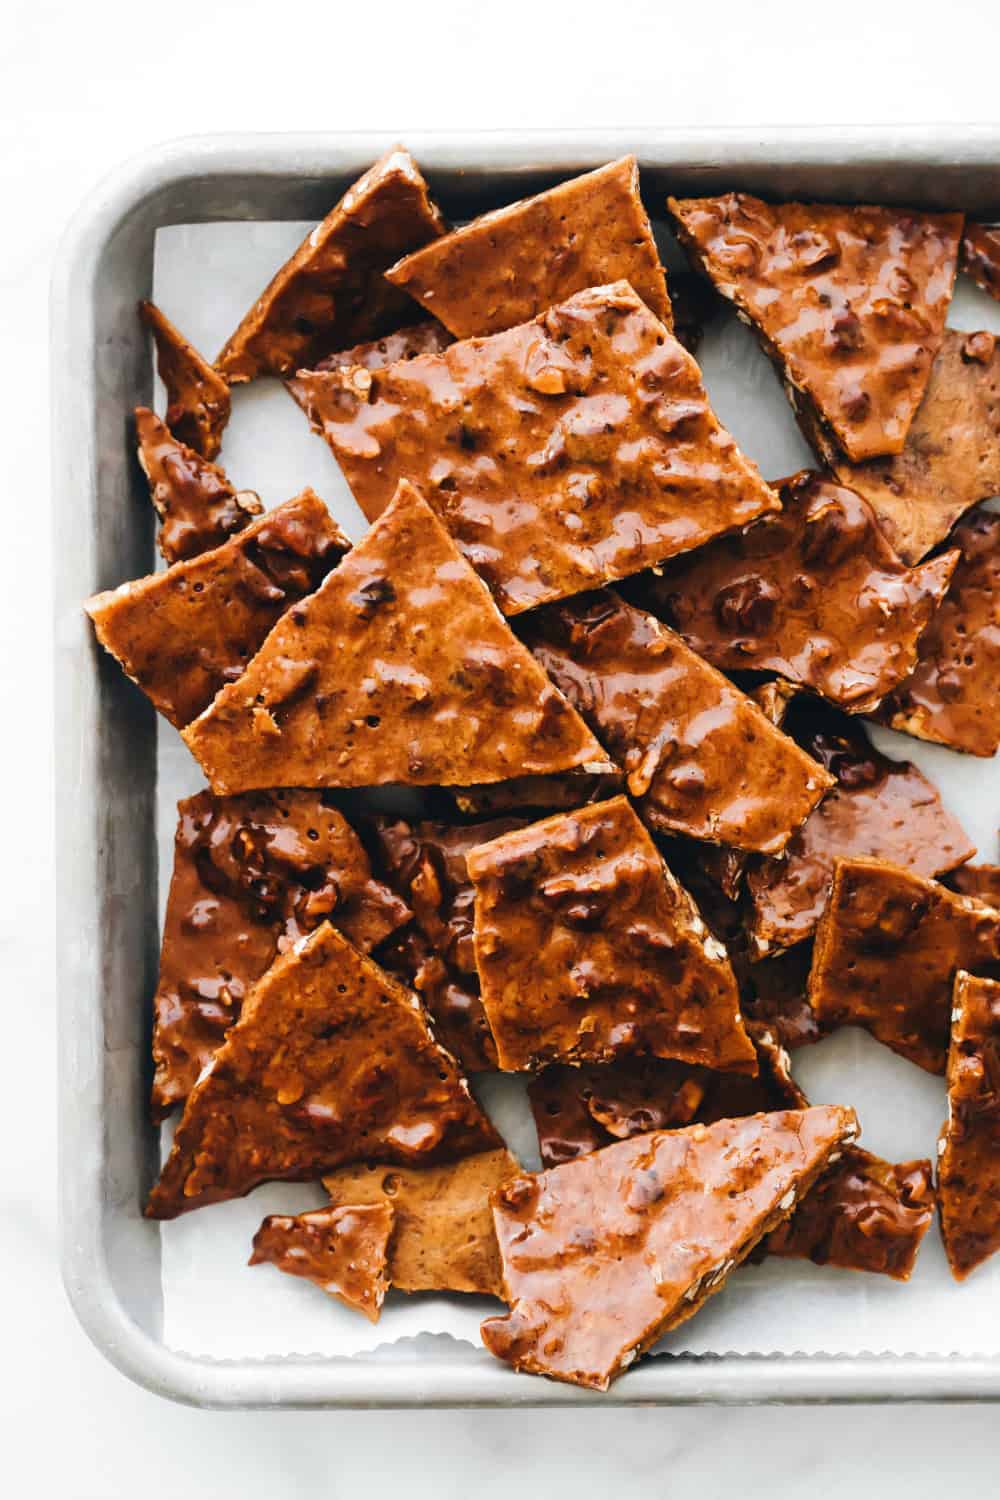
198 508
400 670
952 694
588 949
878 809
981 256
331 1061
981 881
510 265
605 1254
332 292
443 1239
579 1109
343 1250
429 337
969 1148
776 997
849 301
183 634
700 756
888 948
815 594
251 875
198 398
525 444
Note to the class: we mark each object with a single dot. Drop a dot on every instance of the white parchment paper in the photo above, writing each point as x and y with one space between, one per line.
205 278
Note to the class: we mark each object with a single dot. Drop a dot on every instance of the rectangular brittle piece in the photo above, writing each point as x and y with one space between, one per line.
969 1147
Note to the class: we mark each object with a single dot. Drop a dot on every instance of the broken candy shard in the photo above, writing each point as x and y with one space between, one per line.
332 292
562 454
198 398
197 506
887 950
951 458
849 302
815 594
181 635
331 1061
429 337
251 875
400 669
443 1237
589 949
343 1250
701 756
579 1109
969 1148
776 997
952 694
864 1214
605 1254
509 265
878 809
981 256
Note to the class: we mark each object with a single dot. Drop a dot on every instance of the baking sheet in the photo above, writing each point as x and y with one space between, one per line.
214 1305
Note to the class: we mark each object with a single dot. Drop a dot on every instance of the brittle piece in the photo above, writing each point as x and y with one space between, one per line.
510 265
443 1239
181 635
561 454
981 881
198 398
429 337
198 508
878 809
331 1061
400 669
775 997
603 1255
849 301
332 292
251 875
981 256
588 949
864 1214
426 863
888 948
343 1250
951 458
815 594
951 696
969 1148
700 755
580 1109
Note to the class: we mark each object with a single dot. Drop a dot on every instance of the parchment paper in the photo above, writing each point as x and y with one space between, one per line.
205 277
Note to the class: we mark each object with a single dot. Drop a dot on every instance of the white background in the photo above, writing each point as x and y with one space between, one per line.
82 86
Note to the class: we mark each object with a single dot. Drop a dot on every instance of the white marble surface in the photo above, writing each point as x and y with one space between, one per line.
81 87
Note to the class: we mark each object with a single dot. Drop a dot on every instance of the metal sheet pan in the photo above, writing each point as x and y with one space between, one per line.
105 751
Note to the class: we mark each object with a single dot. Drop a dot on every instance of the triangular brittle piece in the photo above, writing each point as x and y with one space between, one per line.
198 508
510 265
969 1148
401 669
588 949
951 696
887 951
331 1061
849 301
182 634
700 755
952 455
343 1250
332 292
443 1240
878 808
251 875
561 454
981 256
198 398
815 594
604 1255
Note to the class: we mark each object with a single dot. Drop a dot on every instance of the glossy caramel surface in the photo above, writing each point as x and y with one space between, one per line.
198 398
343 1250
197 506
969 1160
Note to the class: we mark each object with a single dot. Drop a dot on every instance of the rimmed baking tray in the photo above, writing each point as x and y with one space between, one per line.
106 746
